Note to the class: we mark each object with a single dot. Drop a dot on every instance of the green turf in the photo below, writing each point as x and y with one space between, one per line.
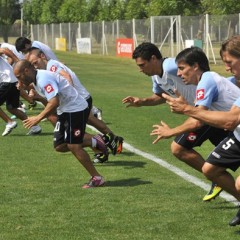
41 194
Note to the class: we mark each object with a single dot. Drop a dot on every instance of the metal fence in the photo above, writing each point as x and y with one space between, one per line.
169 33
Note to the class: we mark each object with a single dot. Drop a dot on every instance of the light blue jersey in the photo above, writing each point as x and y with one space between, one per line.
51 84
56 66
170 81
215 92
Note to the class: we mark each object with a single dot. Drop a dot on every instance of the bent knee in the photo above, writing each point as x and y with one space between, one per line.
177 150
61 148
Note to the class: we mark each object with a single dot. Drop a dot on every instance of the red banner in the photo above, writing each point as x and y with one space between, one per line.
124 47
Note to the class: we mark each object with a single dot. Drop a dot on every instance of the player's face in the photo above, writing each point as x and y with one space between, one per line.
23 77
37 62
145 66
187 73
232 64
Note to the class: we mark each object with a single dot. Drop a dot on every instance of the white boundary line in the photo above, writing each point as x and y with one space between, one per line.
187 177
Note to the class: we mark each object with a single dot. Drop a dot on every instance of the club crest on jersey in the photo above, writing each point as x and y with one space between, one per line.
76 132
200 94
48 88
191 137
53 68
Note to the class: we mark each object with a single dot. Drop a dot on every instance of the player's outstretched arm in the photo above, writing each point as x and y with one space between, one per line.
148 101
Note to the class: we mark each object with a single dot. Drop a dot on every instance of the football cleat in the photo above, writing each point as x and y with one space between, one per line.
120 145
95 181
9 127
113 142
213 193
236 220
100 158
31 106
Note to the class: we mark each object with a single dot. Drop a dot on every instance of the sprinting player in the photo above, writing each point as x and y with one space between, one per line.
12 48
72 111
23 45
10 94
163 72
11 55
39 61
213 92
226 154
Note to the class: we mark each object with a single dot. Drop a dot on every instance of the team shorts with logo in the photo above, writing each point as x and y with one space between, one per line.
226 154
9 94
70 127
198 137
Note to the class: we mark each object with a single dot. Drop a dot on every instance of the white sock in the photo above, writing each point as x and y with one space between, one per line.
94 142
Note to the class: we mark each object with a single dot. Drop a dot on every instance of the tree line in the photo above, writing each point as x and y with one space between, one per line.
57 11
60 11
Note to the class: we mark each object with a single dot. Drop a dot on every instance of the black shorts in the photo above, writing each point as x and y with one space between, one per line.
226 154
70 127
197 138
89 101
9 94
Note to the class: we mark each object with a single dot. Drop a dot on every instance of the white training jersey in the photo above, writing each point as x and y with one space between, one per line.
6 72
56 66
170 81
215 92
45 49
51 84
12 48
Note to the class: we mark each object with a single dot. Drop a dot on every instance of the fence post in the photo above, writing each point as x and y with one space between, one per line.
69 37
117 28
206 35
152 29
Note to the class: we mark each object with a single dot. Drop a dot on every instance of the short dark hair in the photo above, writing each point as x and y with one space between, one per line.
21 42
146 50
194 55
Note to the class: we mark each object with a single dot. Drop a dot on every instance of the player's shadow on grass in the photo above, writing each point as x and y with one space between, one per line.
131 182
225 205
126 164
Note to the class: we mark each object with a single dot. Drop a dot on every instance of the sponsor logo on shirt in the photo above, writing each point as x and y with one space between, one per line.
76 132
200 94
53 68
191 137
49 88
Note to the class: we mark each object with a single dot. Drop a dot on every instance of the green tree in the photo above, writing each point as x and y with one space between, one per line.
117 9
136 9
174 7
49 11
68 11
10 11
221 7
32 10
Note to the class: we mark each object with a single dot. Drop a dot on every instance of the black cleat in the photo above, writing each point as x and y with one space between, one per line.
236 220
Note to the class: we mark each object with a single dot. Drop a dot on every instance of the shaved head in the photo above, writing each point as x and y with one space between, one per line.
25 72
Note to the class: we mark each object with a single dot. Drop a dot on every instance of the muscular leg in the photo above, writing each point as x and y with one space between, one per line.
83 158
223 178
5 117
98 124
190 157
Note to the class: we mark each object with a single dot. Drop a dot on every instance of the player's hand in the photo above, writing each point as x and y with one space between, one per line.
177 105
31 121
163 131
132 101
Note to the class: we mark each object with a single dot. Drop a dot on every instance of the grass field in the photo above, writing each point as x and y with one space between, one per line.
41 194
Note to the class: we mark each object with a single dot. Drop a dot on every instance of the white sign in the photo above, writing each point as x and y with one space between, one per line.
84 45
